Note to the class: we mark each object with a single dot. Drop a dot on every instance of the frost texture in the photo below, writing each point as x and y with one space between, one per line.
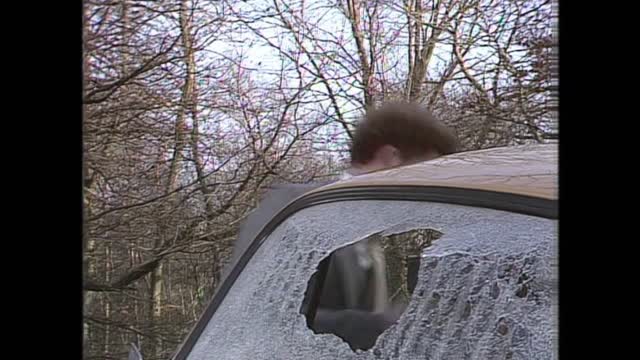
484 289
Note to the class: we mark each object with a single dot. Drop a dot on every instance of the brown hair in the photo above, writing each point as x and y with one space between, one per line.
408 127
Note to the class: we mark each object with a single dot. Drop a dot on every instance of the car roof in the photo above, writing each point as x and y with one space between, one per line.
529 170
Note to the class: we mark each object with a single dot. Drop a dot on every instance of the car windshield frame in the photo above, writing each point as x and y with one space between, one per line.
516 203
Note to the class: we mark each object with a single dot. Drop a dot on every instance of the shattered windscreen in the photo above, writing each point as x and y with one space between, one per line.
483 289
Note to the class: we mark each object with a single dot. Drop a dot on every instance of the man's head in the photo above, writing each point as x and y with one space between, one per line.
398 134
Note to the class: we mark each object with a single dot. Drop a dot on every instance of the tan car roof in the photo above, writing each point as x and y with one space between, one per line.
525 170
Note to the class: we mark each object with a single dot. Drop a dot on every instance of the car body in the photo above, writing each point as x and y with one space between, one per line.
484 290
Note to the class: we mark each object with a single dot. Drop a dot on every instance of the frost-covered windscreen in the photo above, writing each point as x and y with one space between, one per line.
484 289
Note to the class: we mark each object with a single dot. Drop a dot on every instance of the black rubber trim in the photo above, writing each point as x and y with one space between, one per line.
522 204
